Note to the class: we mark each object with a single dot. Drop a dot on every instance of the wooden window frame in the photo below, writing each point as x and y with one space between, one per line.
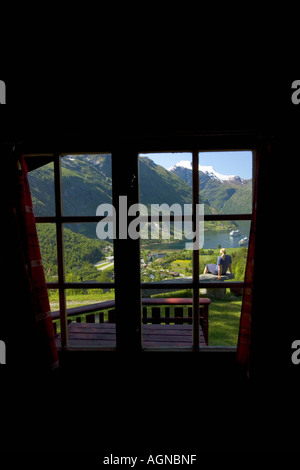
59 220
129 329
196 284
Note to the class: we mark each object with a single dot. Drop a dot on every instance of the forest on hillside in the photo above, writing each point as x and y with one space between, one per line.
80 255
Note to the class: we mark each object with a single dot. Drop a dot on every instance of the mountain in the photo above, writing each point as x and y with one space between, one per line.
209 171
224 193
159 185
87 182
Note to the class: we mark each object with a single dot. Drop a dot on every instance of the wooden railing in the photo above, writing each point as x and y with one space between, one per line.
177 311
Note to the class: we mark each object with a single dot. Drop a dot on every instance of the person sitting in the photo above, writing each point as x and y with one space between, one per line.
224 262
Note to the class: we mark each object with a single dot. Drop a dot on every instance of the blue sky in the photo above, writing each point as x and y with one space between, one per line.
227 163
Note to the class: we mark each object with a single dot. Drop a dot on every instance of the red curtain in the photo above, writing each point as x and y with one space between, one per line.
259 197
33 267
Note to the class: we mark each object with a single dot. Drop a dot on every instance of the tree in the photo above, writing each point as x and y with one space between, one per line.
144 253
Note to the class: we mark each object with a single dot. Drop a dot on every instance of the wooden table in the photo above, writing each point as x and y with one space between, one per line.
103 335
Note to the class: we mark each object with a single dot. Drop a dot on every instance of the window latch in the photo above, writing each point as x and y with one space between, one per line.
132 181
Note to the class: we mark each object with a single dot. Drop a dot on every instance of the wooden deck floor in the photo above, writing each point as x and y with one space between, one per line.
103 335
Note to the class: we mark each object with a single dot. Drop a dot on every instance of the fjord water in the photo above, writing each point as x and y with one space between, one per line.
212 239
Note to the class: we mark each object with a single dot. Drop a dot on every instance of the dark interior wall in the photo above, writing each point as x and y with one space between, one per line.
160 383
125 145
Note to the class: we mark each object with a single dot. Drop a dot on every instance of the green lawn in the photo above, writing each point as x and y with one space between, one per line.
224 321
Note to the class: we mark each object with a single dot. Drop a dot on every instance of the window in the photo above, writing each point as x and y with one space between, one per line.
222 183
148 291
79 267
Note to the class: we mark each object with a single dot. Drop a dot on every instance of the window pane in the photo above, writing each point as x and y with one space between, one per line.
92 324
87 259
225 182
41 182
168 264
54 307
47 241
163 192
224 315
159 183
167 319
89 297
226 233
86 183
231 235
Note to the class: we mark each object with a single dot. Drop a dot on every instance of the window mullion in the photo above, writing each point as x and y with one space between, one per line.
60 251
127 255
195 203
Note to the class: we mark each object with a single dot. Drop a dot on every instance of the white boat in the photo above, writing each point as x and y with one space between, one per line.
244 241
235 233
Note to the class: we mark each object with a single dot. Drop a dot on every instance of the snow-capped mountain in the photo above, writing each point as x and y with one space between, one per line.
209 170
225 193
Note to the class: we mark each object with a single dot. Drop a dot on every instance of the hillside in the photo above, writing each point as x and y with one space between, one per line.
158 186
240 201
81 254
86 183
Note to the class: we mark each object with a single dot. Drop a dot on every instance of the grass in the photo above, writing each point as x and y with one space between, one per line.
181 265
80 299
224 321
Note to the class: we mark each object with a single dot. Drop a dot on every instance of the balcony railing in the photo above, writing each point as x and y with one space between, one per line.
157 311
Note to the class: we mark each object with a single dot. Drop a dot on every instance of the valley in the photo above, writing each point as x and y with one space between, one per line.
86 183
